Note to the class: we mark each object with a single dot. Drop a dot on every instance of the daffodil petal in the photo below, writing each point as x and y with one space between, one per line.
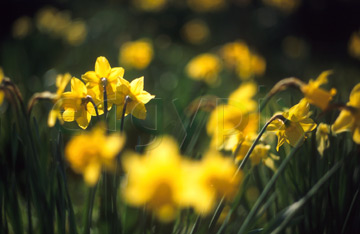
115 73
84 119
78 87
92 173
137 109
91 78
102 67
354 99
145 97
69 115
356 135
137 85
343 123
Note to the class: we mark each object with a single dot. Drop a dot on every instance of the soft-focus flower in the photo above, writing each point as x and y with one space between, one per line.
204 67
21 27
136 54
104 75
322 138
316 95
259 154
2 94
138 97
286 6
349 118
296 125
89 153
156 180
76 107
76 32
354 45
195 31
206 5
228 121
214 177
149 5
238 56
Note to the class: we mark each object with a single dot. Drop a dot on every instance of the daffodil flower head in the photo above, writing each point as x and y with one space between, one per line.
156 179
137 54
322 138
137 98
316 95
295 126
106 76
93 151
212 178
205 67
349 118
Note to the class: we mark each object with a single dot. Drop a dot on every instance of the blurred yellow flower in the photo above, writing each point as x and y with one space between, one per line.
316 95
157 179
206 5
138 98
104 75
76 32
205 67
149 5
228 121
2 94
89 153
296 125
322 138
136 54
238 56
349 118
259 154
212 178
75 106
195 31
354 45
21 27
286 6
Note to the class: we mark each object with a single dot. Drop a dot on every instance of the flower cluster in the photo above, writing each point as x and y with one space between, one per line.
103 88
163 181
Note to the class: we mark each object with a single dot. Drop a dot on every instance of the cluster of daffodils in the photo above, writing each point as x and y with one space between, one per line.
163 181
95 94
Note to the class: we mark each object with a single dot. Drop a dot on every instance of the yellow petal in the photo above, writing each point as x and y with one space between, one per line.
356 135
294 133
115 73
78 87
144 97
92 173
137 109
308 124
322 78
69 115
91 78
84 119
113 145
344 122
1 96
137 85
355 96
61 83
102 67
52 117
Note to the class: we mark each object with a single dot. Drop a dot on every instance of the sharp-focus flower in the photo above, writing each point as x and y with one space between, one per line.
156 180
205 67
228 121
89 153
2 94
349 118
295 127
213 178
138 97
136 54
316 95
104 75
322 137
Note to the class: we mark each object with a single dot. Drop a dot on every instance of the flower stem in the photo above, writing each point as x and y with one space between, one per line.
104 83
90 99
127 99
89 209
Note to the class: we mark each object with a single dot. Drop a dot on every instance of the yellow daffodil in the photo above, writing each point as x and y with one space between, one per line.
137 54
205 67
76 107
349 118
212 178
316 95
354 45
104 75
195 31
243 97
138 97
295 127
259 154
156 179
322 138
89 153
2 94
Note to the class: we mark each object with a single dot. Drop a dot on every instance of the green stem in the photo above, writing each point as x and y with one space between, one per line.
268 187
127 99
104 83
89 209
